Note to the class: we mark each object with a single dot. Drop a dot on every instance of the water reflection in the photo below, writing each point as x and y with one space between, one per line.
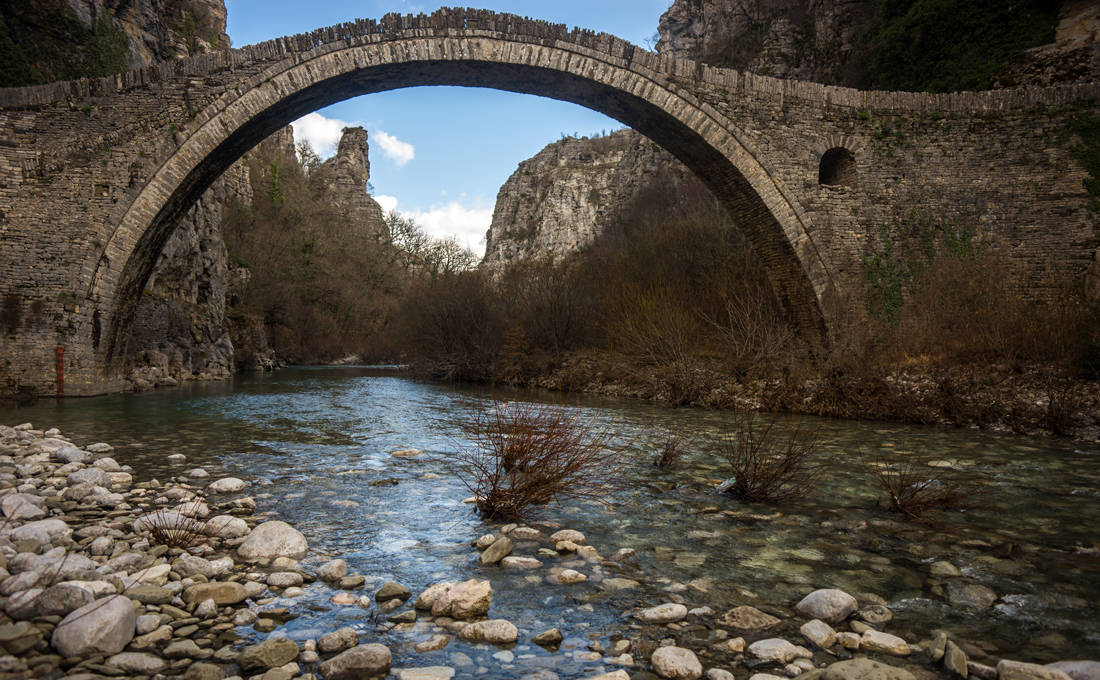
318 443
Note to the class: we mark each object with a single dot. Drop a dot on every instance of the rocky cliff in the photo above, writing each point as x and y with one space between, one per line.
801 39
345 177
180 329
190 324
909 44
47 40
558 201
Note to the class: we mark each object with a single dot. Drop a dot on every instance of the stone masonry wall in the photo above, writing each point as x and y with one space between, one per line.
79 212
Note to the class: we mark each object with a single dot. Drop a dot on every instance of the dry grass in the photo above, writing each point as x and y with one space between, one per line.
526 455
177 530
915 489
672 451
769 463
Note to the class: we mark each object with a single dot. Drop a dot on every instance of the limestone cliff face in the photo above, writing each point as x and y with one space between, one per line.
346 175
558 201
180 329
1074 56
160 29
819 40
185 327
801 39
48 40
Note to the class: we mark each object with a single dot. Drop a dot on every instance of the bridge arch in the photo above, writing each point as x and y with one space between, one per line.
650 102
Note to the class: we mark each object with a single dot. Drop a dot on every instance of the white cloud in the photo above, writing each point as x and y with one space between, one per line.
467 225
396 150
323 134
388 203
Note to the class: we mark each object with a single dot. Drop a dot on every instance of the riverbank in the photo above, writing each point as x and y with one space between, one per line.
90 590
1020 399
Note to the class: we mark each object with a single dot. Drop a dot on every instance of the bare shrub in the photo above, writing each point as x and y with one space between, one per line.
672 450
654 326
914 489
176 529
526 455
769 463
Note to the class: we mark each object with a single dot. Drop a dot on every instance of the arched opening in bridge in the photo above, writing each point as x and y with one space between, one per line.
838 168
699 137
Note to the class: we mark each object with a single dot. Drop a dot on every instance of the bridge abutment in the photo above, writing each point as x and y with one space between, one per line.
95 173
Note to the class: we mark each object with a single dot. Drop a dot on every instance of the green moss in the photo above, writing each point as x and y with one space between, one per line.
949 45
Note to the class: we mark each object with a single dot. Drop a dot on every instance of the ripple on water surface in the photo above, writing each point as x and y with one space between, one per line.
318 444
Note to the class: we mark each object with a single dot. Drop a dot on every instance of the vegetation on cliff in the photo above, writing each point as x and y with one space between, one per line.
325 284
948 45
44 41
671 304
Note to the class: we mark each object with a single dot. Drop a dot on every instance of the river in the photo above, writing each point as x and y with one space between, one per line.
316 444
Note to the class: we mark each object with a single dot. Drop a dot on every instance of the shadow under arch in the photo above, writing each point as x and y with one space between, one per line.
695 133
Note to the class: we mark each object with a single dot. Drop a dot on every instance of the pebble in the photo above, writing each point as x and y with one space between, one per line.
663 613
829 605
676 663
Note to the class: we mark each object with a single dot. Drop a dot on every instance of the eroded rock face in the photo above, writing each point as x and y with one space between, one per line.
156 34
346 175
800 39
561 199
180 331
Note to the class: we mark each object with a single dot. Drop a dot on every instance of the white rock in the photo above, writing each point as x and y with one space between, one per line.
663 613
463 600
1017 670
197 473
103 627
226 485
43 531
426 673
333 571
428 598
676 663
567 535
877 641
829 605
513 562
496 631
138 663
92 475
819 633
226 526
273 539
70 454
21 506
773 649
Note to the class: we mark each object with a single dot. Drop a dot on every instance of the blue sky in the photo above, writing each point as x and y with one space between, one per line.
440 154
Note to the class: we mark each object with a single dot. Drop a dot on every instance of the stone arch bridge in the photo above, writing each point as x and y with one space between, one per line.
95 173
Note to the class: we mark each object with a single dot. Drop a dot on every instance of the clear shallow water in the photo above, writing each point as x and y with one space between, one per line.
313 439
